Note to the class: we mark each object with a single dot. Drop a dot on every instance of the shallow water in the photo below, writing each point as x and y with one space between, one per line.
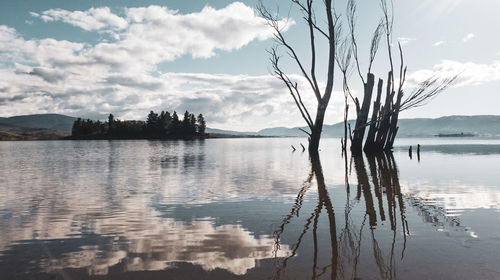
248 209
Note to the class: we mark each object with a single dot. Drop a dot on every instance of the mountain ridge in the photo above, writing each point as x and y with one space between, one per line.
480 125
56 122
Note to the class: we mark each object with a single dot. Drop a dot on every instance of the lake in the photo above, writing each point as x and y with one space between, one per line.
248 209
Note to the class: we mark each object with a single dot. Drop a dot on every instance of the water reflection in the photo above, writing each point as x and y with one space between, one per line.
144 243
244 209
461 149
345 246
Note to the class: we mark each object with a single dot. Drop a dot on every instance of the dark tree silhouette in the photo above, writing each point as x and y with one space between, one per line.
202 125
192 124
111 124
185 124
153 124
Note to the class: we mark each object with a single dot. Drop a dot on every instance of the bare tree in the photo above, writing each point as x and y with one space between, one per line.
308 72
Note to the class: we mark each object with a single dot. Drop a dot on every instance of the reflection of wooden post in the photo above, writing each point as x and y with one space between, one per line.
293 148
409 152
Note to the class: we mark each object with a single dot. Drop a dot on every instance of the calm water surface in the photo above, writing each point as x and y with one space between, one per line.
248 209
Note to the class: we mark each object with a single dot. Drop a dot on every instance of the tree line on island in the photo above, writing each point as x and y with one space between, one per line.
156 126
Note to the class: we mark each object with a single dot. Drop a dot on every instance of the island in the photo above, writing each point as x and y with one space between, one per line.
455 135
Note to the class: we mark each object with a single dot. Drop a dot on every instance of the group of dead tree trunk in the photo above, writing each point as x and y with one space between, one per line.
382 126
383 121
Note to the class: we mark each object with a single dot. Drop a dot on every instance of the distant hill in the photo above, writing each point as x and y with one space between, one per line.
8 132
488 126
45 121
229 132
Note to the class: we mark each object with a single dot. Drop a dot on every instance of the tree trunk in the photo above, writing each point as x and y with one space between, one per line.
317 129
385 121
362 118
370 138
393 129
346 114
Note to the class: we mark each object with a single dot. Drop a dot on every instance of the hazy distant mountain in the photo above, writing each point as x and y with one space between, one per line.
8 132
479 125
48 121
422 127
228 132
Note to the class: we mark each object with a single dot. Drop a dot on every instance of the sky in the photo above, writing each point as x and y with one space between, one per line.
91 58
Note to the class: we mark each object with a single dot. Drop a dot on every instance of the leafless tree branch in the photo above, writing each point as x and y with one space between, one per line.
292 87
351 19
426 91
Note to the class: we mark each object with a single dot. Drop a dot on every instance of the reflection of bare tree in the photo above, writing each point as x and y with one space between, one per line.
294 212
323 201
345 247
385 178
435 215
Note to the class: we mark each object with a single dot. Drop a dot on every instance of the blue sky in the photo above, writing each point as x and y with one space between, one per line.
89 58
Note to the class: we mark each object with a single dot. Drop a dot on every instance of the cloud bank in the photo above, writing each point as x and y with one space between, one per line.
470 73
119 74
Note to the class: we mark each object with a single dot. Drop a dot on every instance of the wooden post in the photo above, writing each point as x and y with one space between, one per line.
303 148
418 152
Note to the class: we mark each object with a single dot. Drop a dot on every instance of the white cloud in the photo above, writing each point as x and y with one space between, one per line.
147 36
439 43
470 73
92 19
468 37
405 40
